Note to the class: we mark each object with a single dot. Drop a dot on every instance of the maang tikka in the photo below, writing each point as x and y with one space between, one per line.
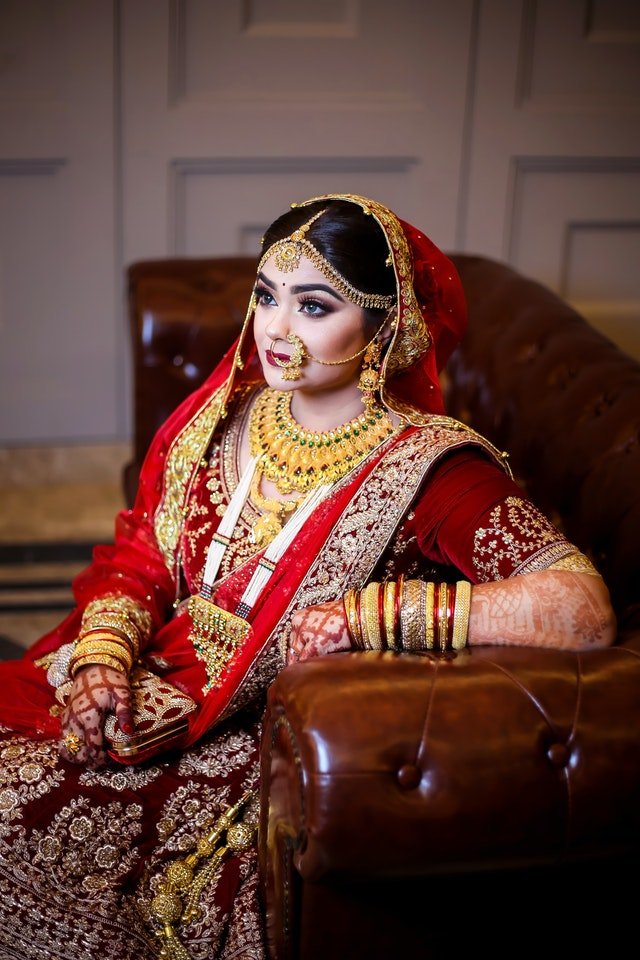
288 252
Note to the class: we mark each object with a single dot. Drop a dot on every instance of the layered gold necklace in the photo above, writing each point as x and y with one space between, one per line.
297 459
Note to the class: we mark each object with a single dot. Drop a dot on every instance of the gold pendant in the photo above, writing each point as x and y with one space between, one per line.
265 529
216 635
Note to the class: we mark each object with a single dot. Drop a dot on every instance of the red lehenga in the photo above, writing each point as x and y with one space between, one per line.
82 853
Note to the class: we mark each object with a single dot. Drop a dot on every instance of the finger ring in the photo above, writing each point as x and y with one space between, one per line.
73 743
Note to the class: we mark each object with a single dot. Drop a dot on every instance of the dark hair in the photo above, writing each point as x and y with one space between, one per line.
349 239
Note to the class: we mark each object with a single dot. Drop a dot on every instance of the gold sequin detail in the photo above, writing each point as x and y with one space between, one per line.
519 536
183 458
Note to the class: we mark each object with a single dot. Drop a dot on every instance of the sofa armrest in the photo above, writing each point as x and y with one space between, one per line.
379 765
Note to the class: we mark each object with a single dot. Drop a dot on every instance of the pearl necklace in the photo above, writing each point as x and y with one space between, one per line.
295 458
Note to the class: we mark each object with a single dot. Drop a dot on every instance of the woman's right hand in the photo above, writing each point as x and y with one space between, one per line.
97 690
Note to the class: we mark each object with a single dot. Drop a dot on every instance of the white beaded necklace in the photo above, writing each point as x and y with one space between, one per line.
268 562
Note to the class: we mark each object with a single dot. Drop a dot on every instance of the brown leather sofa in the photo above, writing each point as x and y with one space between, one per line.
427 807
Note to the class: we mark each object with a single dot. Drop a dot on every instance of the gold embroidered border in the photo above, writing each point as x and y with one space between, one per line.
576 562
498 541
411 338
183 457
368 523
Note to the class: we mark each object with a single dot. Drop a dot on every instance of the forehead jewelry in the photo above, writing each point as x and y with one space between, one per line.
288 252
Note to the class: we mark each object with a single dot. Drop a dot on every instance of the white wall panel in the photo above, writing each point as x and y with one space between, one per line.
574 227
225 205
600 276
156 127
554 140
269 81
580 55
61 337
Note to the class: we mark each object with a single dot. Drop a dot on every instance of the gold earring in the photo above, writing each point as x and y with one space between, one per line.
291 367
370 376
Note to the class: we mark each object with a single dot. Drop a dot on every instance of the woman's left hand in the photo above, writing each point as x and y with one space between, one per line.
318 630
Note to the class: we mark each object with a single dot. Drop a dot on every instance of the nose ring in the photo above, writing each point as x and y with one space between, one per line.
291 367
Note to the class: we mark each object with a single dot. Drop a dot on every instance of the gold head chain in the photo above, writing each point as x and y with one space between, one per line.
288 252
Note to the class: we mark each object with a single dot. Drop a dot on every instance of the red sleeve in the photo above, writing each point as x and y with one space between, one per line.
473 516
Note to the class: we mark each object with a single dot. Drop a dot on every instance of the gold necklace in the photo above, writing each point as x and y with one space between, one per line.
269 523
298 459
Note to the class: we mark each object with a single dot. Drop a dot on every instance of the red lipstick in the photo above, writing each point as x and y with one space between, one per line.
270 356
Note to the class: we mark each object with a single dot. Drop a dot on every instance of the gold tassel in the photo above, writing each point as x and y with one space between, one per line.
176 901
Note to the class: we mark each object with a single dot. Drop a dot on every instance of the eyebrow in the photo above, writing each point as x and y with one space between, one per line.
303 287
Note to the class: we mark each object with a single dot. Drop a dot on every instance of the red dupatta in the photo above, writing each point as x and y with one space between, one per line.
431 317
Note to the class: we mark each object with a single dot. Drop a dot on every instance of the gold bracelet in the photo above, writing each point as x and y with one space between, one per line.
443 620
461 611
116 621
85 648
120 605
428 614
101 647
389 614
98 659
412 626
118 624
351 611
369 598
110 636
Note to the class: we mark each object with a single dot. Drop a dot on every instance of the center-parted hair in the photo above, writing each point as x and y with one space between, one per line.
348 238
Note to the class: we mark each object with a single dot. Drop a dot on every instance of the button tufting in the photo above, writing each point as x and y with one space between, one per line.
409 776
558 754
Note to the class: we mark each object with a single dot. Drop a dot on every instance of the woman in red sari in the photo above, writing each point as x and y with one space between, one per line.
310 497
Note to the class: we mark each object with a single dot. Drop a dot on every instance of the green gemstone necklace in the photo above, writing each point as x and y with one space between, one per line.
295 458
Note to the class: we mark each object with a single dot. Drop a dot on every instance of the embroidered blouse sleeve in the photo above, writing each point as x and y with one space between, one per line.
472 516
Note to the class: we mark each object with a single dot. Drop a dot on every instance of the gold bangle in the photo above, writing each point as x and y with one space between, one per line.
108 636
429 604
98 659
389 614
102 649
120 605
461 611
443 620
102 646
411 620
371 615
116 621
93 643
351 612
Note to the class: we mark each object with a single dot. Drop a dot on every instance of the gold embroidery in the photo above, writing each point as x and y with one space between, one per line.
65 877
369 522
520 536
27 771
183 458
577 562
190 812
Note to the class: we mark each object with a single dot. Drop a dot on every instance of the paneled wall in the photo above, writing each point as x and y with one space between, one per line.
183 127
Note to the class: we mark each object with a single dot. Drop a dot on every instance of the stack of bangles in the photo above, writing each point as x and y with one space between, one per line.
409 615
107 638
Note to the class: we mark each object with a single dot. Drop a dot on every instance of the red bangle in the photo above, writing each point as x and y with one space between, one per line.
398 604
451 605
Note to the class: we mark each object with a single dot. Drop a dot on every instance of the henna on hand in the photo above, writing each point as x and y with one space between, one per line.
318 630
96 691
550 608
